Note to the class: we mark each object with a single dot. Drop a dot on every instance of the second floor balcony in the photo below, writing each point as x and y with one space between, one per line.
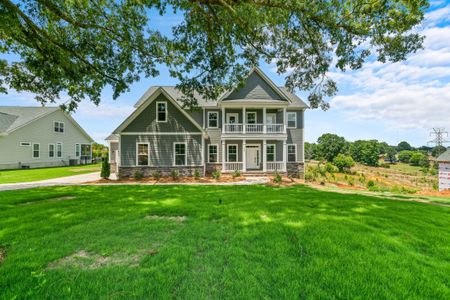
239 128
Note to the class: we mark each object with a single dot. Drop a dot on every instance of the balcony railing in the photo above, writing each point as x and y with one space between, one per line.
253 128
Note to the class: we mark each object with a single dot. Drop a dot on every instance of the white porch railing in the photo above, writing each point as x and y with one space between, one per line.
275 128
275 166
234 128
253 128
233 166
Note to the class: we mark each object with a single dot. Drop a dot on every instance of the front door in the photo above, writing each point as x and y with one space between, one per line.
271 118
252 156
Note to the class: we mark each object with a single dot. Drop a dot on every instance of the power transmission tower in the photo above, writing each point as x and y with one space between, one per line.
439 140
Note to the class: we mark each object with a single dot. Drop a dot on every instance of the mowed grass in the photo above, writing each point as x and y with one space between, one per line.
28 175
215 242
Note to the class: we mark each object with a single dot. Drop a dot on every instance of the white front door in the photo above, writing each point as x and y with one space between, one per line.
252 157
271 118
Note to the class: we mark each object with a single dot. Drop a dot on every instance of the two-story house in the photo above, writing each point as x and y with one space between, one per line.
257 128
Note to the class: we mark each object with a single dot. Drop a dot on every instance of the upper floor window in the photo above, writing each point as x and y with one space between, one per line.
58 126
292 119
213 119
180 154
161 111
292 153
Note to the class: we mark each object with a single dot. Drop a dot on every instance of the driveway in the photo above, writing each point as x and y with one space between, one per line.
69 180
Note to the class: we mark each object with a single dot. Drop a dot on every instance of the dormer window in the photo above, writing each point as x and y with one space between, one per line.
161 111
59 127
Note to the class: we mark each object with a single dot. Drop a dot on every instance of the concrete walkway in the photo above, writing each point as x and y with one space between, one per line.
85 179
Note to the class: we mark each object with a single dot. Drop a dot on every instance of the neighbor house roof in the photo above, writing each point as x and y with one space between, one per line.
444 157
13 117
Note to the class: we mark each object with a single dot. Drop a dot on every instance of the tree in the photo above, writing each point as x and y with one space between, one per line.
106 168
343 162
366 152
80 47
310 151
99 150
330 145
405 156
438 150
402 146
419 159
384 147
390 155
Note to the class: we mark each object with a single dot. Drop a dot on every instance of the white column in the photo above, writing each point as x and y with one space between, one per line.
204 118
244 117
244 156
284 119
223 119
264 120
203 150
223 156
284 155
264 154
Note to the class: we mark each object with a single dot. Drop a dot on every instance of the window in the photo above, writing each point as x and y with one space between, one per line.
161 111
36 150
270 152
86 150
291 119
251 117
25 144
232 153
77 150
59 150
212 153
59 126
180 154
213 119
143 154
292 153
51 150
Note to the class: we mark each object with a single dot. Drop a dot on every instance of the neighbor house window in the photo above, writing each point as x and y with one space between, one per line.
292 119
212 153
270 152
36 150
51 150
86 150
180 154
213 119
143 154
292 153
59 150
59 126
232 153
161 111
77 150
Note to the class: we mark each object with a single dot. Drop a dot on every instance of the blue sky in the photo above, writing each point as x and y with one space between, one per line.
390 102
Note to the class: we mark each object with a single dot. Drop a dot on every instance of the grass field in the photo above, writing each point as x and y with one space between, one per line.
240 242
28 175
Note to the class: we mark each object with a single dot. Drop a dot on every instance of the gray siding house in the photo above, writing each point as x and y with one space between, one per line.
257 128
38 137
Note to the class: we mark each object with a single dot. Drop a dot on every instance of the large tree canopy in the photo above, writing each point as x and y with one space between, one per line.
78 47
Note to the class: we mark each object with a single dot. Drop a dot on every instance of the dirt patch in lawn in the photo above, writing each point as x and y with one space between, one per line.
59 198
91 261
285 181
167 218
2 254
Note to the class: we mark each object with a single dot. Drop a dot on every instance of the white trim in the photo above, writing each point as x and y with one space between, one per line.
79 153
251 113
229 114
165 110
287 119
175 155
217 153
21 144
228 152
161 133
59 126
217 120
274 152
39 150
137 153
287 152
54 150
62 148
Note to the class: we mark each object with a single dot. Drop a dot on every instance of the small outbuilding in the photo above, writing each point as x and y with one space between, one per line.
444 170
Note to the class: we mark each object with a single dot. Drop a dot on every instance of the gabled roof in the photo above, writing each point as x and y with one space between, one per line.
444 157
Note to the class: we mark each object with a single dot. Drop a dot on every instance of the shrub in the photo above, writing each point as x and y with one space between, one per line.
370 184
236 173
138 175
330 168
277 177
216 174
197 174
175 174
405 155
343 163
419 159
156 175
351 181
106 168
385 165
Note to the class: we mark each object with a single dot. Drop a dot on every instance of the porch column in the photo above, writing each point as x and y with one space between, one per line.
223 156
223 119
284 156
284 119
244 117
264 154
204 118
264 120
244 155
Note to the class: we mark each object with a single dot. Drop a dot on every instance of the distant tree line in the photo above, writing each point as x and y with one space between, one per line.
335 149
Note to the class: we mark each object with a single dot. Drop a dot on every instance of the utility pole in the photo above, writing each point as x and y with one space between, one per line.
439 140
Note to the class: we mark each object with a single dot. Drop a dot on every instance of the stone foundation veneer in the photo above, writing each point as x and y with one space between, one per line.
147 172
296 170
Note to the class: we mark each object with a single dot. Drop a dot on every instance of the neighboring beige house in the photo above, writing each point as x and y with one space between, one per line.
34 137
444 170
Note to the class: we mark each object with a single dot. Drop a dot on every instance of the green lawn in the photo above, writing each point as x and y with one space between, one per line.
159 242
28 175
